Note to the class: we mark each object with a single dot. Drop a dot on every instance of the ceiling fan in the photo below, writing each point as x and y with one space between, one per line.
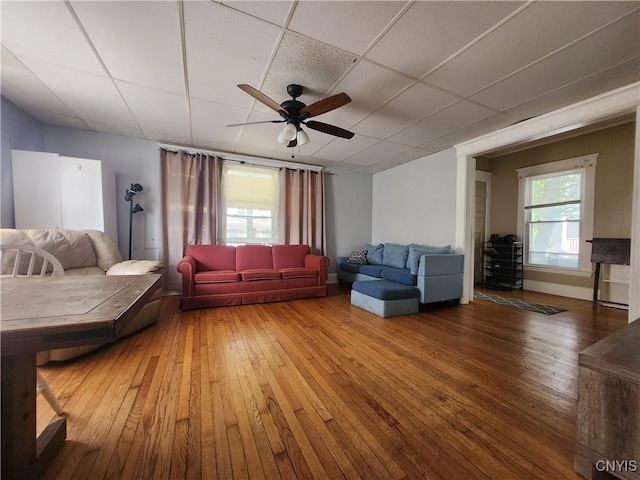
295 113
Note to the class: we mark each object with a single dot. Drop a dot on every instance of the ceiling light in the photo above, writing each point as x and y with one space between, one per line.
288 134
302 138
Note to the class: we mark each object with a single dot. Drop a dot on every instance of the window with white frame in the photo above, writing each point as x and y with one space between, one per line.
555 214
249 204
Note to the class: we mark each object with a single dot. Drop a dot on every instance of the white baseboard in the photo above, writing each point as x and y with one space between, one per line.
581 293
332 278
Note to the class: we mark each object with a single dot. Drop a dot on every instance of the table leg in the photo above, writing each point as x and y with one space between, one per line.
596 285
24 456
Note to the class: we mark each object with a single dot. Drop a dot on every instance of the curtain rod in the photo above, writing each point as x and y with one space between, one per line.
265 162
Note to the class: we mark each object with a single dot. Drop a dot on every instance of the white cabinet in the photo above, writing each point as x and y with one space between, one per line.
53 191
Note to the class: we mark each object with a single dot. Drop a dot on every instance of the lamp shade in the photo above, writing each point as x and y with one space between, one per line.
302 137
288 134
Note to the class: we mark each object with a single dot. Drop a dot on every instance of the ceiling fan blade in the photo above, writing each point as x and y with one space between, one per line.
325 105
261 97
330 129
252 123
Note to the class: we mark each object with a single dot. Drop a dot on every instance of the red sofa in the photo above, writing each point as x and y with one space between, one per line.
218 275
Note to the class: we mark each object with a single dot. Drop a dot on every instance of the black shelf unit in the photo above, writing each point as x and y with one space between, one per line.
502 265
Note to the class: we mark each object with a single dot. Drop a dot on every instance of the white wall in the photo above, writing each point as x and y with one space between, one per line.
20 131
349 213
416 202
133 161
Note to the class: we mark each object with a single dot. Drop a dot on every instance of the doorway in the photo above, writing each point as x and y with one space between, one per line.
482 209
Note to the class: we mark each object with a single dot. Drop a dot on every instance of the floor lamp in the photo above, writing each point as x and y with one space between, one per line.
131 192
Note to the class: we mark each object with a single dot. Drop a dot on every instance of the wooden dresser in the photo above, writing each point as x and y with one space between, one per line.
608 423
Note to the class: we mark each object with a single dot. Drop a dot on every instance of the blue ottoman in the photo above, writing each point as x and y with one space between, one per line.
385 298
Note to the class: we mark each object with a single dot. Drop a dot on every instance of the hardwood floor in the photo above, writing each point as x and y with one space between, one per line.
316 388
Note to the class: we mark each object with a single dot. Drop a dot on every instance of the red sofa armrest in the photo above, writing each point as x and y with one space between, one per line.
320 263
187 267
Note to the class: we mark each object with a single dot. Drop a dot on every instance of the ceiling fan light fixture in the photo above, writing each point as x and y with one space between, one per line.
302 138
289 133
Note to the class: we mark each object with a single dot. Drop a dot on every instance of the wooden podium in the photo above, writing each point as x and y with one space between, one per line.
616 251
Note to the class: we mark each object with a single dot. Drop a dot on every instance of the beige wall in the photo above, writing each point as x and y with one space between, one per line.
614 186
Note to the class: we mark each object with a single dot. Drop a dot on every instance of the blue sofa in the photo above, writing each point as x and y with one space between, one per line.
437 272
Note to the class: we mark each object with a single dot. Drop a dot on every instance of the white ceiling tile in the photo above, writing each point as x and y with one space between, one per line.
369 86
509 47
605 48
157 111
46 32
91 97
307 62
23 88
429 32
341 148
225 48
125 32
271 11
133 131
352 26
412 105
375 153
209 122
450 119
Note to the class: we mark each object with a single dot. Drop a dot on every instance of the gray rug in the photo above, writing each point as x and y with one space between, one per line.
521 304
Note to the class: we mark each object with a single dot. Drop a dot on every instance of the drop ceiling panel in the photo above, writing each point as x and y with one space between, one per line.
352 26
46 31
374 153
370 86
412 105
157 111
306 62
22 87
125 32
209 124
91 97
605 48
225 48
509 47
258 139
274 12
429 32
450 119
340 148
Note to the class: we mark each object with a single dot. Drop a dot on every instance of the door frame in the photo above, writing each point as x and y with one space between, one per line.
615 103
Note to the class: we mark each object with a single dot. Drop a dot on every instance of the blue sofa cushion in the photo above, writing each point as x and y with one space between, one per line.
386 290
400 275
416 251
372 270
350 267
395 255
374 253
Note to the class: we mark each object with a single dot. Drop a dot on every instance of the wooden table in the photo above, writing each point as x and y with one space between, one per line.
608 420
43 314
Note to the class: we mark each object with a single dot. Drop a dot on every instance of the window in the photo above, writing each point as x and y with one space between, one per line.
555 215
249 204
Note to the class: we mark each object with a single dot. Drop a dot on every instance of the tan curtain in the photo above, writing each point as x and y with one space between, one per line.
190 185
302 204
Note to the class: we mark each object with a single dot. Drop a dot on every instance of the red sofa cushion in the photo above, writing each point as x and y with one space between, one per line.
289 256
217 276
212 257
300 272
249 257
260 274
